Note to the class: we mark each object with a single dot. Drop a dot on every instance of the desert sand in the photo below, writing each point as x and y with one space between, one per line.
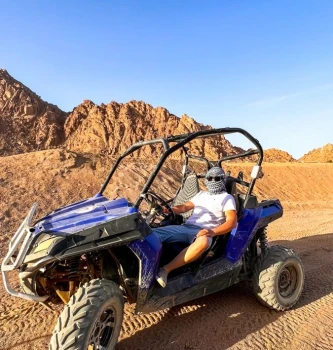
230 319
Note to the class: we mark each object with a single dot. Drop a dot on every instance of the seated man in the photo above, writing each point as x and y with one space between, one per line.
214 214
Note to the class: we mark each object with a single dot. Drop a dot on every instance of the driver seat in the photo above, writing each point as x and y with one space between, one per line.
231 187
187 191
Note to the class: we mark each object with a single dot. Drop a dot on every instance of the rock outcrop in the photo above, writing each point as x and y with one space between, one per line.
112 128
27 123
319 155
273 155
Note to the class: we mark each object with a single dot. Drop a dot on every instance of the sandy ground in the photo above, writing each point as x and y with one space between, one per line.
230 319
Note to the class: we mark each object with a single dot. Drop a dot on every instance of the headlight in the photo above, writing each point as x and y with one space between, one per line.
42 247
44 242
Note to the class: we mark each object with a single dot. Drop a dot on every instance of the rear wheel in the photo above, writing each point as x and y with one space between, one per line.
278 278
92 319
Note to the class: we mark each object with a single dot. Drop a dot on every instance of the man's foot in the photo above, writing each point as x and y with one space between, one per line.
162 277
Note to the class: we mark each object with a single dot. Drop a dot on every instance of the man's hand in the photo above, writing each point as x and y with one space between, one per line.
206 232
165 210
182 208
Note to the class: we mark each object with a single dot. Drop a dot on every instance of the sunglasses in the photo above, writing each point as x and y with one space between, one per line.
216 178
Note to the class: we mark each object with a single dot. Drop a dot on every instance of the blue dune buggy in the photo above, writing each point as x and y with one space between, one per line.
94 254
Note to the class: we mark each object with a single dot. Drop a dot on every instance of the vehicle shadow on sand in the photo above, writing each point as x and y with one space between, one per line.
223 319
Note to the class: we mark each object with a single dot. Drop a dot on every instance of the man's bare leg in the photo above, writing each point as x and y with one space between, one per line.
187 255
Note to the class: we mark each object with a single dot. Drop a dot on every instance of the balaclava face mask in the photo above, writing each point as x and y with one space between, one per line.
215 187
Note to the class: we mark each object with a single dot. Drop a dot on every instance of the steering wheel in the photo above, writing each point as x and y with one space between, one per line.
156 203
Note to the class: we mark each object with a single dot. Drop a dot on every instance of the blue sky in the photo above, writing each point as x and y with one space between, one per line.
266 66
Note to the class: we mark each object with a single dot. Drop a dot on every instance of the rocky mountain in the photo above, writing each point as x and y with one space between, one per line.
319 155
27 123
275 155
112 128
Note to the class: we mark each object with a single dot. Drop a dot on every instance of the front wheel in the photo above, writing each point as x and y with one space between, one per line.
278 278
92 319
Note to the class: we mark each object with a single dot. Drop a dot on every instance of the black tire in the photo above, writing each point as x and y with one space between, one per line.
28 286
93 315
278 278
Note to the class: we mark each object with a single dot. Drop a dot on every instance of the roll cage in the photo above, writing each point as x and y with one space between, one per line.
181 141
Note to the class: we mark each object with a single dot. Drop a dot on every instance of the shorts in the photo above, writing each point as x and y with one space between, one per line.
178 233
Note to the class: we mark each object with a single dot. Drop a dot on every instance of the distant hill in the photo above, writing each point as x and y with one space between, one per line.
323 154
275 155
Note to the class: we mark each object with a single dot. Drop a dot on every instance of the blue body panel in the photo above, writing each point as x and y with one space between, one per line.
83 215
243 234
251 221
148 252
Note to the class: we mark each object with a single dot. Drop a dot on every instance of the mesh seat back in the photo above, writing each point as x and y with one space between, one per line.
189 189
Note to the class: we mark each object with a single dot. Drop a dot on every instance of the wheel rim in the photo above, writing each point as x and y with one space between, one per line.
288 281
102 330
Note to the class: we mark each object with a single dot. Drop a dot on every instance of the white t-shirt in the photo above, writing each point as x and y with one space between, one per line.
209 209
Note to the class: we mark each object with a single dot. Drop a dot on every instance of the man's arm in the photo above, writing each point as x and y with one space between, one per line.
230 224
182 208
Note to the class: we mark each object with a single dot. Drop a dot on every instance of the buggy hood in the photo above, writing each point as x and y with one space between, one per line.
83 215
